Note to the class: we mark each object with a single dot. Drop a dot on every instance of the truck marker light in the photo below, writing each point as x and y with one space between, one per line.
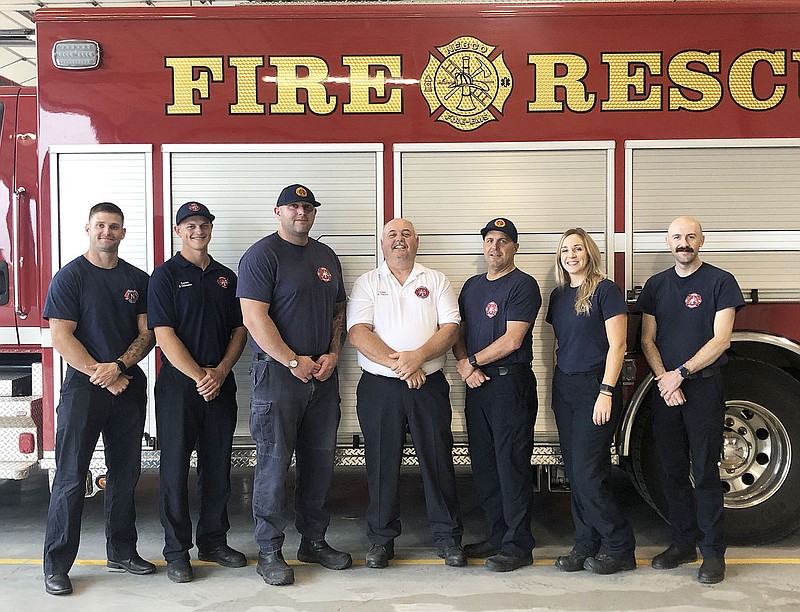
27 443
76 54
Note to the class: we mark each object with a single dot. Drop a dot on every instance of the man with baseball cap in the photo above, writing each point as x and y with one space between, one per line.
293 302
494 351
193 309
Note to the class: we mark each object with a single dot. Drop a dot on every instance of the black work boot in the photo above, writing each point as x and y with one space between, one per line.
273 568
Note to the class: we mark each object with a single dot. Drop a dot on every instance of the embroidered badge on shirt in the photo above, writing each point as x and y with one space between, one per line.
222 282
184 284
132 296
693 300
422 292
492 309
324 274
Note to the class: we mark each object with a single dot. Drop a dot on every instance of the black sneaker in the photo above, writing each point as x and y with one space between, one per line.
603 564
571 562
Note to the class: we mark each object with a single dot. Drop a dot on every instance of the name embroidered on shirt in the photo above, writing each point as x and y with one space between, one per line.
183 284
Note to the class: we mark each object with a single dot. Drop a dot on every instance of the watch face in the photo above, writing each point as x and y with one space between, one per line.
293 363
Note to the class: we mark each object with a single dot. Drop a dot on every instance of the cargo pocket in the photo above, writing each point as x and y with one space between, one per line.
261 426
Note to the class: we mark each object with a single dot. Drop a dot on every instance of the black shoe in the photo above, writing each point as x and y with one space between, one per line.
58 584
673 557
224 555
321 552
603 564
454 556
571 562
480 550
273 568
711 571
134 565
507 563
379 555
180 571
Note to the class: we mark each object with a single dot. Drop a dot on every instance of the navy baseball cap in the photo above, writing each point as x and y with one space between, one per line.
296 193
501 224
191 209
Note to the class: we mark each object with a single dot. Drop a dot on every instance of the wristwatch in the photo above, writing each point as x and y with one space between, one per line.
473 361
293 363
121 366
684 371
606 388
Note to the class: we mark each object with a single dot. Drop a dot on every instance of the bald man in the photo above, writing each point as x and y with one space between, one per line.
688 313
402 319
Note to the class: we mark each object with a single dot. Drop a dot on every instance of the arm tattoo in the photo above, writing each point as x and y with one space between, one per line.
337 338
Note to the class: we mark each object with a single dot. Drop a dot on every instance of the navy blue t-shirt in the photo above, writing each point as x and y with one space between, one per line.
200 305
104 303
486 305
685 308
582 339
301 284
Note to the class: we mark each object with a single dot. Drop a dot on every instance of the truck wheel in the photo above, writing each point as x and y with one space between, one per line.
757 467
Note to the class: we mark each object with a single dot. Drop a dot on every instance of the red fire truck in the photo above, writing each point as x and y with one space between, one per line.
614 117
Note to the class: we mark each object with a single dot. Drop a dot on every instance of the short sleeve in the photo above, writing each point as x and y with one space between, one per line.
256 276
161 305
524 301
63 298
361 303
645 302
610 300
447 304
730 294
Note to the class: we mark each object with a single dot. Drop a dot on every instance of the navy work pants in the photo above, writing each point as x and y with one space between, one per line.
85 411
691 435
600 525
186 422
501 414
386 406
289 416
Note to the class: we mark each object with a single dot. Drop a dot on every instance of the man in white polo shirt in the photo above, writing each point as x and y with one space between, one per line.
403 318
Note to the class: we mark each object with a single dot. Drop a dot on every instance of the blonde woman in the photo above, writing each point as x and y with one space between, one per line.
589 317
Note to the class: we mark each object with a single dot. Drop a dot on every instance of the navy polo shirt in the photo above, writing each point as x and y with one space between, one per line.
685 309
301 284
104 303
200 305
487 305
582 339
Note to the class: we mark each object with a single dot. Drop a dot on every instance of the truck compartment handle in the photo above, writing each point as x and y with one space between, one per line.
16 259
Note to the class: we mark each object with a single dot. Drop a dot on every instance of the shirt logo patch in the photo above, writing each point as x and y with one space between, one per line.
492 309
194 206
693 300
132 296
222 282
324 274
422 292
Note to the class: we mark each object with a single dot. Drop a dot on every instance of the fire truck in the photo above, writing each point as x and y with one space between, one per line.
615 117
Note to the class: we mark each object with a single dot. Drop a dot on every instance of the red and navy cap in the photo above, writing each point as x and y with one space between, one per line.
192 209
501 224
296 193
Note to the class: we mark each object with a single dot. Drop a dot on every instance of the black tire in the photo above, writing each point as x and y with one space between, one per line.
760 468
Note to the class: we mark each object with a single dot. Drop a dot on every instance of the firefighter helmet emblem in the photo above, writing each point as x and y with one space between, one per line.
222 282
492 309
131 296
301 192
499 223
324 274
468 83
422 292
693 300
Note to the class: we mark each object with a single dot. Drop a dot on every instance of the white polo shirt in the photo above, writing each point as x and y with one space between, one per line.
403 316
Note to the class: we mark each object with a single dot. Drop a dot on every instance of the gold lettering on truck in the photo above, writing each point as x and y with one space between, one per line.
368 74
246 80
706 87
742 76
290 82
560 71
627 77
189 75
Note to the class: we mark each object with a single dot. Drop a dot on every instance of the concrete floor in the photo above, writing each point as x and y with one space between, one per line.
759 578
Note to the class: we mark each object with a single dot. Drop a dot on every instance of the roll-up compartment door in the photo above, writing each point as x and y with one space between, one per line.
744 193
241 188
85 176
450 195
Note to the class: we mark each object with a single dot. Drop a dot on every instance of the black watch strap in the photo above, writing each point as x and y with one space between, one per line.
121 365
606 388
473 361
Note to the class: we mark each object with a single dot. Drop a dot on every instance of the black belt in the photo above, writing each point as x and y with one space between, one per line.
706 373
514 368
265 357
